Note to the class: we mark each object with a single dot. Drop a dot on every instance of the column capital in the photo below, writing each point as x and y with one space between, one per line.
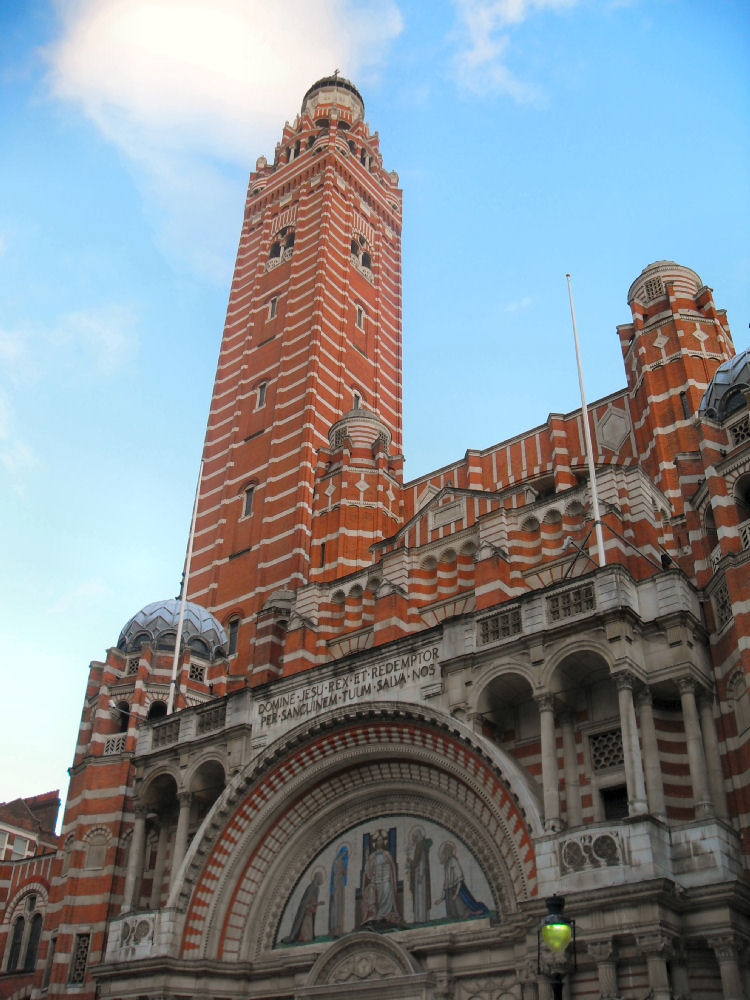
686 685
644 696
726 947
140 809
546 702
655 943
625 680
184 797
602 950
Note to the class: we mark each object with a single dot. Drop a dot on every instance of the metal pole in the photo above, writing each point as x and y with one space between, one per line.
183 597
587 436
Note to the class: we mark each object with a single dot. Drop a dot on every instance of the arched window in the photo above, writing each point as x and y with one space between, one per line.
247 501
157 710
742 498
275 250
15 945
709 525
361 255
123 716
32 946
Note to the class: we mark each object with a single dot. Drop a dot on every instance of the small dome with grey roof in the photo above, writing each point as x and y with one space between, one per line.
157 624
725 392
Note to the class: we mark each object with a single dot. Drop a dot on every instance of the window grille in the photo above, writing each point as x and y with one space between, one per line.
212 718
166 733
132 667
741 431
723 605
500 626
79 958
571 602
653 288
197 672
115 744
606 749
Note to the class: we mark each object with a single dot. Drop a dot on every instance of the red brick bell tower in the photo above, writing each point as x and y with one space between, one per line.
313 331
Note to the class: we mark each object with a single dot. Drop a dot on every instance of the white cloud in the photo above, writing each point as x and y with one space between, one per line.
181 84
16 457
518 304
94 341
87 593
481 62
102 336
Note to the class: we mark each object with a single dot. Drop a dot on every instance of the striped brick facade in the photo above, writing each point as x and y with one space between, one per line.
440 665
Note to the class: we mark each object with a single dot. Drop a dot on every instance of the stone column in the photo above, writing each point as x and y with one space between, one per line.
550 778
181 836
603 953
713 755
656 948
529 979
726 951
630 746
654 781
696 756
161 855
135 859
679 970
570 759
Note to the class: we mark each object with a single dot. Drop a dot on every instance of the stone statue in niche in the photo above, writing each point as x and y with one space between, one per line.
303 926
418 863
459 902
336 899
380 888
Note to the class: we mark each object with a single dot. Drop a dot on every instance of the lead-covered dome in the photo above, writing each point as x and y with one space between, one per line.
725 392
157 623
333 91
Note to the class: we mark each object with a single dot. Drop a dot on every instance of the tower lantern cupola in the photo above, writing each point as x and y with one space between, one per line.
334 93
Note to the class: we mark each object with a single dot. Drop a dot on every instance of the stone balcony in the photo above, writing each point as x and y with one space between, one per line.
694 853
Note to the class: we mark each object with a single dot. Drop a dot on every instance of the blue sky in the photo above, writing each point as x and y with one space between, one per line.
531 137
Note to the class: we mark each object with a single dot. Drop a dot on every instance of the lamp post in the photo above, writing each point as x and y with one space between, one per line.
555 932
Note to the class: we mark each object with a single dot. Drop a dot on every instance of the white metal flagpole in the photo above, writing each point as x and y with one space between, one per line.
183 597
587 435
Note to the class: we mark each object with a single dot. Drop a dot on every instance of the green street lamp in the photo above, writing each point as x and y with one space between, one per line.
555 932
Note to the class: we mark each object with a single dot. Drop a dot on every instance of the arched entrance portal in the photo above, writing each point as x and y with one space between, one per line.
359 840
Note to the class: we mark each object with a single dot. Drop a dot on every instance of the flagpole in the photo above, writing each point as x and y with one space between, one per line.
587 436
183 597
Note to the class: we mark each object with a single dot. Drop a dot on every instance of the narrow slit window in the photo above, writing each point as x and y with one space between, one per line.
247 502
273 306
262 394
356 401
234 628
360 318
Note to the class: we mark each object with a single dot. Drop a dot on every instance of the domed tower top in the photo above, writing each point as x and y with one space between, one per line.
157 623
726 390
333 92
649 285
